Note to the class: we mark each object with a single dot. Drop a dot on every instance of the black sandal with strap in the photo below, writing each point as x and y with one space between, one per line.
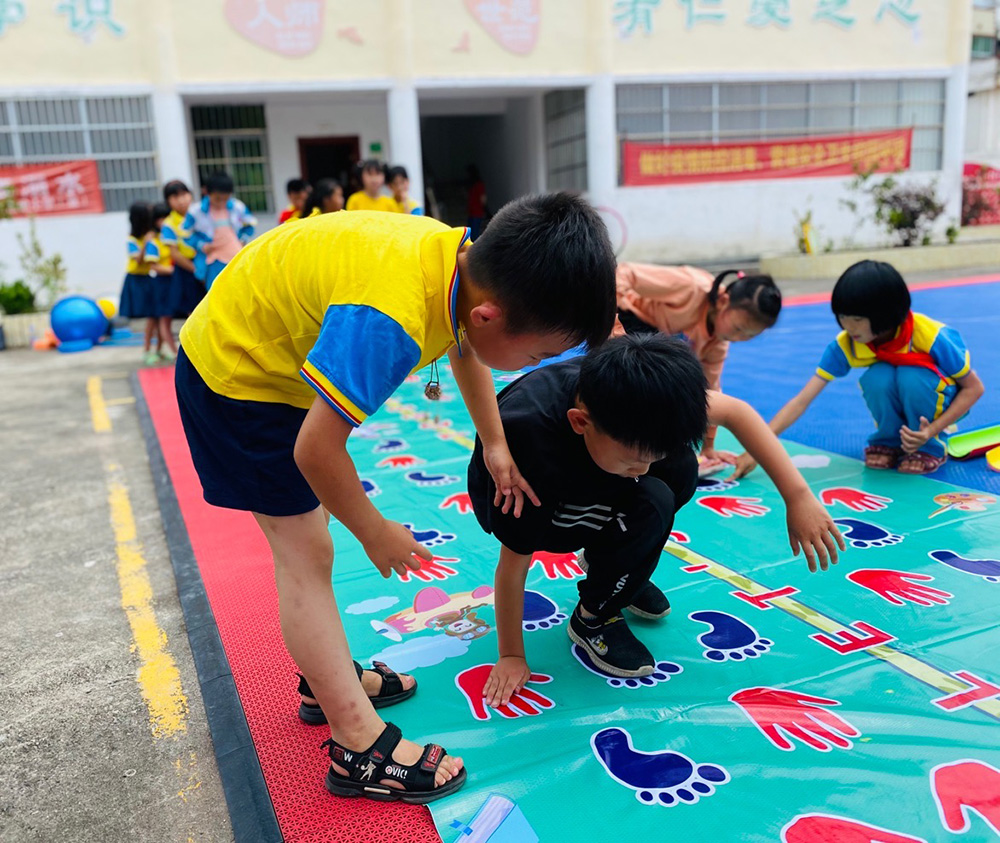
391 692
365 771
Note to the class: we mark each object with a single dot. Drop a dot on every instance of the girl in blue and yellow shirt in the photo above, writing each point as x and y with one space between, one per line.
918 378
138 298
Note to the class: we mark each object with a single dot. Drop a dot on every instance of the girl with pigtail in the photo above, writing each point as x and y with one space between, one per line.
709 312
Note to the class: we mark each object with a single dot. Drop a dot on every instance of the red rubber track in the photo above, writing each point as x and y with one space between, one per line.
236 568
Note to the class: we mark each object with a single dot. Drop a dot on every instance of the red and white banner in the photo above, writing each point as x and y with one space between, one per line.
68 187
980 195
839 155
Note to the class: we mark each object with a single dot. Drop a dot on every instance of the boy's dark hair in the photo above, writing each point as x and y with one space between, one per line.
758 295
140 219
324 189
646 391
174 188
874 290
296 186
160 211
548 261
395 172
372 166
219 182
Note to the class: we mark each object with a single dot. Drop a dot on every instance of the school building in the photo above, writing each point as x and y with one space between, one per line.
703 129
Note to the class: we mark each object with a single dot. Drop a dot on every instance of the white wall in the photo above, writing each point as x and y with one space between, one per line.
330 115
738 220
982 137
92 247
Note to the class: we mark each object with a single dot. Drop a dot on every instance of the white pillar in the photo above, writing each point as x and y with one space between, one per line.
602 140
953 142
172 144
404 136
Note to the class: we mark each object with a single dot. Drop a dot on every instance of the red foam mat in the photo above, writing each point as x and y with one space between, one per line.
236 568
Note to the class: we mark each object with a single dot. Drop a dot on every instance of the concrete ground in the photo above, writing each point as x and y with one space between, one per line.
95 746
83 755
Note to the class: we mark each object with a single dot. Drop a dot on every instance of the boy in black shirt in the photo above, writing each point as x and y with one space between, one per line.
607 442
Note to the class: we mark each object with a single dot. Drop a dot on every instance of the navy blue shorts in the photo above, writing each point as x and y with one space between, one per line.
243 451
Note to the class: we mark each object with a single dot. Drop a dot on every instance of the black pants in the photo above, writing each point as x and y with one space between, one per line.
622 542
634 325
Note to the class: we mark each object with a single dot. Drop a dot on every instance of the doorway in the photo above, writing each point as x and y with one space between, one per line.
329 158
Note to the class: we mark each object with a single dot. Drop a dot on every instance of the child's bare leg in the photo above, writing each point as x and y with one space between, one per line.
313 632
167 334
148 334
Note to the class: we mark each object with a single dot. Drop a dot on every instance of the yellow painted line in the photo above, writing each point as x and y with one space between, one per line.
916 668
158 676
117 402
98 406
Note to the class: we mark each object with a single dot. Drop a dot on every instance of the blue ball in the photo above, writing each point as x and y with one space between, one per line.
76 319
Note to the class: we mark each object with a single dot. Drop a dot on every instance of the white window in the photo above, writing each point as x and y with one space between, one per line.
233 138
566 140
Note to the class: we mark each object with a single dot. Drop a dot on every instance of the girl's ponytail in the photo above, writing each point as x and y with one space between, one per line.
758 295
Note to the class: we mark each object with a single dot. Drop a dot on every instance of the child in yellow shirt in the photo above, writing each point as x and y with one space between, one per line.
370 198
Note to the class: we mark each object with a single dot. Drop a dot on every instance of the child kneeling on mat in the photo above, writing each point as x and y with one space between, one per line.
308 331
607 442
918 379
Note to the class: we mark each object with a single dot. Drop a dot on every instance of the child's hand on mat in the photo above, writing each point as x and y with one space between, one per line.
710 455
507 677
512 488
394 549
744 465
811 530
914 440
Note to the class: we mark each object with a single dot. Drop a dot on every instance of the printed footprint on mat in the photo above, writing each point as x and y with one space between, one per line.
371 488
716 484
658 778
663 672
390 446
863 534
988 569
429 538
729 639
540 612
423 478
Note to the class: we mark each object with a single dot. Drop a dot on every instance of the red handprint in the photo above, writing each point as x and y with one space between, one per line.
965 786
556 565
798 715
428 571
525 702
679 537
894 586
854 499
399 461
823 828
727 507
461 501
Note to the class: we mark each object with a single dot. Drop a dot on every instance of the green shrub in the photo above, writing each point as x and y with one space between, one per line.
16 298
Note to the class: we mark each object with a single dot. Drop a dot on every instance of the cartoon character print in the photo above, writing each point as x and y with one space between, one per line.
962 501
435 609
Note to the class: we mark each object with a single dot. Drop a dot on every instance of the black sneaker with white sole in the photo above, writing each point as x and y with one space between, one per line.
612 646
649 602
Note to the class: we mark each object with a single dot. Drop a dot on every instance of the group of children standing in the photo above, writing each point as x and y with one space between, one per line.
595 454
176 250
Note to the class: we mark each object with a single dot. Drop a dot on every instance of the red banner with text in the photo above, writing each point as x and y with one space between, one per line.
840 155
65 187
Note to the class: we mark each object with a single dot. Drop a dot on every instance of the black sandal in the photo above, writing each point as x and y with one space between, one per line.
367 769
390 693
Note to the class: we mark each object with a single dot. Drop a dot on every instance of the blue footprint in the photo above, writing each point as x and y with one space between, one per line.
390 446
658 778
430 538
371 488
729 638
423 478
540 612
862 534
662 673
988 569
716 484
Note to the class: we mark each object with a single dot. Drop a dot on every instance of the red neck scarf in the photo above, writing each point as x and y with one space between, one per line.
899 350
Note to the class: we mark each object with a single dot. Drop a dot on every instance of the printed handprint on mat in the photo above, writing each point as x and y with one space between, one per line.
662 673
864 535
428 571
727 506
460 500
797 715
824 828
964 787
663 778
988 569
898 587
558 565
854 499
399 461
729 639
524 703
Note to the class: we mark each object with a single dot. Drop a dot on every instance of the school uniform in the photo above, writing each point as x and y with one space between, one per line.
912 375
361 201
190 289
138 297
300 312
622 523
166 285
207 229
